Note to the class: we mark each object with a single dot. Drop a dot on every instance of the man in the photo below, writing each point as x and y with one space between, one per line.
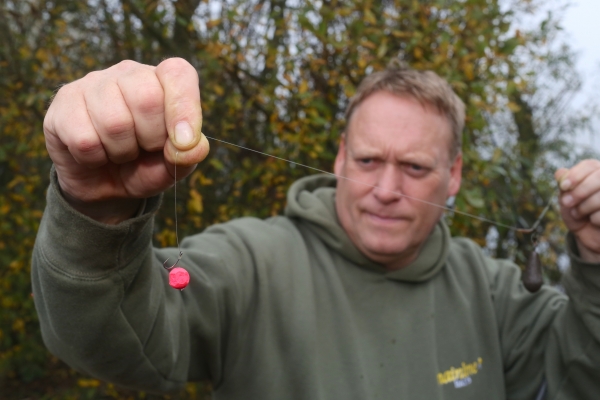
358 292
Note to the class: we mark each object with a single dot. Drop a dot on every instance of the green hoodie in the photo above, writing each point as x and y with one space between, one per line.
288 308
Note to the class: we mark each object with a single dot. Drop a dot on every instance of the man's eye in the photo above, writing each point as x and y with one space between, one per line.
365 161
416 170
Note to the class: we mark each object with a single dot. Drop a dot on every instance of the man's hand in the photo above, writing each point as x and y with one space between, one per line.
580 205
113 135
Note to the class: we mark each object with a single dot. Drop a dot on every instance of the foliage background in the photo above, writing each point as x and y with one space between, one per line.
276 76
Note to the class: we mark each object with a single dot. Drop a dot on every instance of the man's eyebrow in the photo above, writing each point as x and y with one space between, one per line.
364 151
416 159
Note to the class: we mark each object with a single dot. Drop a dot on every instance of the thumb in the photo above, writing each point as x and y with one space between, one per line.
183 112
561 175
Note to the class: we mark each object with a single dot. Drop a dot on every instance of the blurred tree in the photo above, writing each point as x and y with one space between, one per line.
276 76
36 47
529 138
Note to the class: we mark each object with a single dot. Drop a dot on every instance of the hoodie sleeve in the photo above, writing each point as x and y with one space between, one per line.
550 344
105 306
573 352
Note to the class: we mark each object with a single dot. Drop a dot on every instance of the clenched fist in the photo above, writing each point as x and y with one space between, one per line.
114 134
580 205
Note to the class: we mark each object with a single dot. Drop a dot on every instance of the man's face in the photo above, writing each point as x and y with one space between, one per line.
393 147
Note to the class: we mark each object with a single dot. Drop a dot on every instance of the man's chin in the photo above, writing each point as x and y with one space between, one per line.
389 255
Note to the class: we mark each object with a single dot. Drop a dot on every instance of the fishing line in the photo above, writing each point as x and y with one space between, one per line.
483 219
175 203
179 278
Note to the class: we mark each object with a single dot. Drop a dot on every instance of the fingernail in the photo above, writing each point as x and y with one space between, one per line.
565 185
567 200
183 133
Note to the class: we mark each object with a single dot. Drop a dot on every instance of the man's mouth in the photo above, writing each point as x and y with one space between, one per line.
385 218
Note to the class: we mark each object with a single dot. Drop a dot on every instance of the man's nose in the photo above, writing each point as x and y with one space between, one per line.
389 184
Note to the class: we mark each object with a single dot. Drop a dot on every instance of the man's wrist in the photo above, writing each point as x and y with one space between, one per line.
110 212
586 254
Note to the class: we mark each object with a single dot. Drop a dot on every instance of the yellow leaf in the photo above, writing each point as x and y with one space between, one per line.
368 44
16 265
303 87
468 70
400 34
514 107
212 23
41 55
195 202
88 383
15 182
204 181
219 90
370 17
18 325
418 52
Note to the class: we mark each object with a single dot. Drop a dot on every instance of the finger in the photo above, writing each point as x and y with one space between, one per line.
111 117
70 133
588 184
151 175
571 219
183 114
575 175
144 97
560 175
589 206
595 218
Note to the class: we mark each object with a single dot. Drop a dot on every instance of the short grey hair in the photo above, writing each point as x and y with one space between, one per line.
426 87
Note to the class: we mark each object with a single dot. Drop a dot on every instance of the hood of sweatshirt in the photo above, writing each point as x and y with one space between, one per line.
312 201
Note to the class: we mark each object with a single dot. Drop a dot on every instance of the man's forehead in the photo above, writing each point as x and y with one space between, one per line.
399 110
368 133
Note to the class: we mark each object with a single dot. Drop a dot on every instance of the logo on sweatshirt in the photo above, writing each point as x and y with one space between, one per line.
460 376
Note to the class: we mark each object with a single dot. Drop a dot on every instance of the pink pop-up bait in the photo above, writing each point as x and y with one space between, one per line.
179 278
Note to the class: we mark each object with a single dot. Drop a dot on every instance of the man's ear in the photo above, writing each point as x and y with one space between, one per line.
340 158
455 175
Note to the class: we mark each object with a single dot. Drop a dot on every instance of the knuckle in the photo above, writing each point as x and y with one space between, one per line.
177 67
85 145
94 77
118 125
48 125
126 65
65 91
93 74
183 105
591 163
151 100
175 63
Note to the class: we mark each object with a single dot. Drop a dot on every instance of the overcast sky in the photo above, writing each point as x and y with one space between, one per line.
581 24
